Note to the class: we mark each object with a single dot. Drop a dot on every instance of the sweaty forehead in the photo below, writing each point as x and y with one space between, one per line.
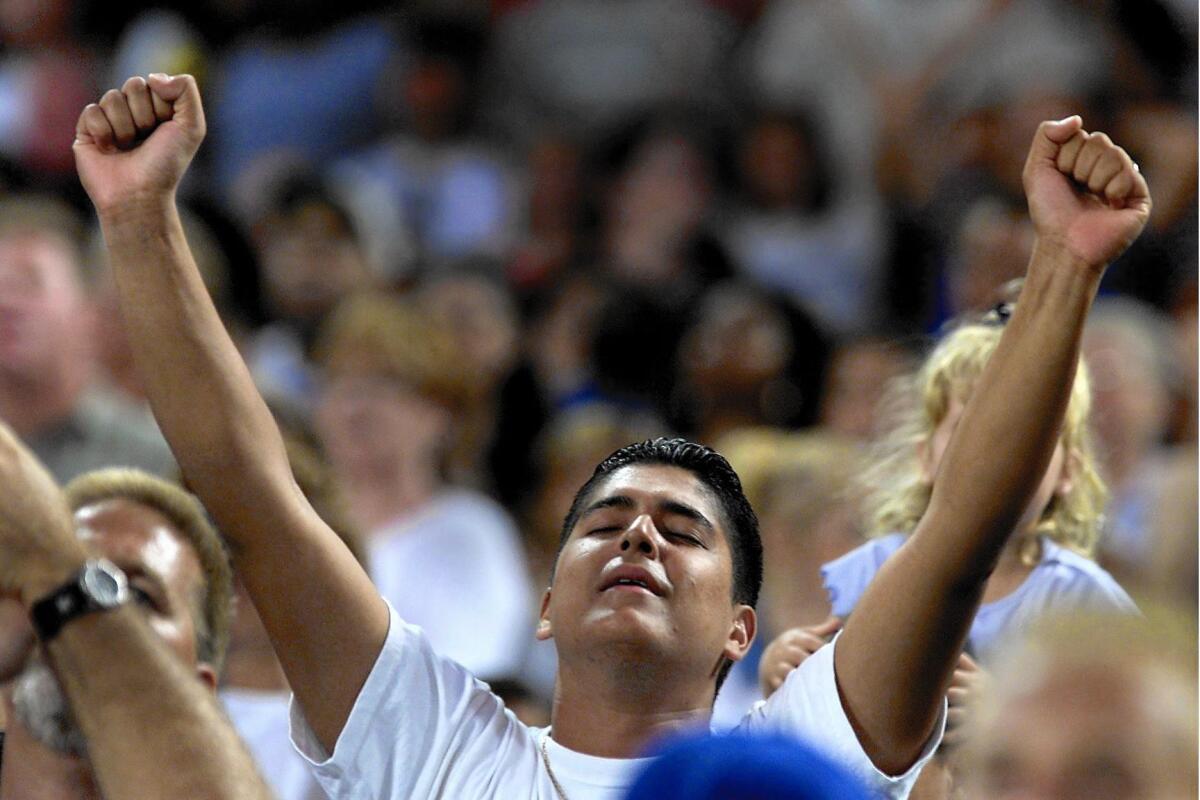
138 538
659 484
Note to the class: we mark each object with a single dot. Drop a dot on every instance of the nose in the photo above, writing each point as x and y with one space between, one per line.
641 535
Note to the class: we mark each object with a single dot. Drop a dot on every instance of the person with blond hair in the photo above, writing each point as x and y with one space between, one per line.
115 601
391 406
1047 564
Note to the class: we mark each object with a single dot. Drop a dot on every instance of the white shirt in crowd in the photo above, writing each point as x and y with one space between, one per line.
261 720
423 727
422 562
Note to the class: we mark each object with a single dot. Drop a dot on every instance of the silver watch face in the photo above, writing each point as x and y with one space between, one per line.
104 583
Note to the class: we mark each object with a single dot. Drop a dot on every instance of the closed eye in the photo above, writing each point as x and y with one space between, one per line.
687 538
143 597
606 529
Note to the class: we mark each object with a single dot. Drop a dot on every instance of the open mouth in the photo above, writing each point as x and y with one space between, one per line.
631 583
632 579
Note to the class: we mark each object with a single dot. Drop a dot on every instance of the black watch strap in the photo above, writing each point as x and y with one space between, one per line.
58 608
99 586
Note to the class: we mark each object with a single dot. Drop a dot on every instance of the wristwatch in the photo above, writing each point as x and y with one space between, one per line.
99 586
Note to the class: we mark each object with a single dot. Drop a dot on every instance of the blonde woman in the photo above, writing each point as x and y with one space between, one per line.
1047 564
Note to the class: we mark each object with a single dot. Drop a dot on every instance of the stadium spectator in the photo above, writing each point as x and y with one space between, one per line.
654 591
114 702
389 414
51 392
1089 707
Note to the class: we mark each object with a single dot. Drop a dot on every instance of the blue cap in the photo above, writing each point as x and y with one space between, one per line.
743 767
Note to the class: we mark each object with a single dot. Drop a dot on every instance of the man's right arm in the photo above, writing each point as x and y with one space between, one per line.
325 619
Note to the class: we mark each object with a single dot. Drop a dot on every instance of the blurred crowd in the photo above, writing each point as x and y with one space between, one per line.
469 249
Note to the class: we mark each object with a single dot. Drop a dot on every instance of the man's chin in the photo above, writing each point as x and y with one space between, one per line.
42 709
628 627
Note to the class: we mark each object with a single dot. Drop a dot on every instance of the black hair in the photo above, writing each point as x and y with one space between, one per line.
711 468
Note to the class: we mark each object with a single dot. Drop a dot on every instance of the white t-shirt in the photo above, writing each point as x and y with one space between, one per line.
423 727
421 563
261 720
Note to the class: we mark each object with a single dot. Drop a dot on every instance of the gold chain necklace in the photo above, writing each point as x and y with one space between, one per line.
550 770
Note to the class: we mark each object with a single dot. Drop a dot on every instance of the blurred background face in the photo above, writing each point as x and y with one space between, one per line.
661 198
776 164
993 247
1130 400
369 421
310 262
737 345
479 316
858 375
33 22
1099 734
42 306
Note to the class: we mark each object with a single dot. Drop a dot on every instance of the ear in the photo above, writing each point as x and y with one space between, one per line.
207 676
741 633
925 462
543 632
1071 464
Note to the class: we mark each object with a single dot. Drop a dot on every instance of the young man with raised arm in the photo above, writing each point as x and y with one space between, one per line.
654 586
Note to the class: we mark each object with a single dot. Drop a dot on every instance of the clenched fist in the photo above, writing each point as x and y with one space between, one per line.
136 143
1086 195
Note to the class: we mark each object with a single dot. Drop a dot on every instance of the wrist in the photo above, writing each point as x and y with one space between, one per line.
1054 256
49 575
141 208
1050 253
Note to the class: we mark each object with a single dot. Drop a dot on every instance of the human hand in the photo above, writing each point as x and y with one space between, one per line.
969 682
16 639
38 548
136 143
790 649
1086 196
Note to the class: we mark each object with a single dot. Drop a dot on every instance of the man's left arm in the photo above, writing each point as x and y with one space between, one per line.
896 656
152 730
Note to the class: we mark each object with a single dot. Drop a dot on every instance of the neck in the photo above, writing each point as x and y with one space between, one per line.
379 497
254 667
32 403
33 771
1011 570
617 715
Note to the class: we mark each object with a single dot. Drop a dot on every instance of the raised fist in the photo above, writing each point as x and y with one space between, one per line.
1085 194
136 143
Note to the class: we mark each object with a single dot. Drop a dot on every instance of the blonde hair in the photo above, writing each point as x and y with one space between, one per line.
380 332
807 470
897 493
214 607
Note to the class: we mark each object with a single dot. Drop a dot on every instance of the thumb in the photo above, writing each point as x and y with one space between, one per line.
1050 136
830 626
183 94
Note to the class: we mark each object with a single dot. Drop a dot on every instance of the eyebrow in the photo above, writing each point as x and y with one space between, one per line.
669 506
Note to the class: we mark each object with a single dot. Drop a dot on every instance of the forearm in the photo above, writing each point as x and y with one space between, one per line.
153 730
992 466
231 451
1010 426
201 392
